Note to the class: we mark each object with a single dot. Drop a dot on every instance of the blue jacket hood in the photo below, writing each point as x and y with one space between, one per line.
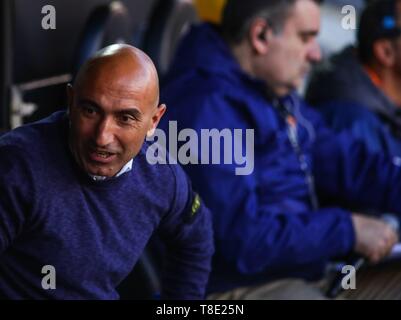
212 58
345 80
349 100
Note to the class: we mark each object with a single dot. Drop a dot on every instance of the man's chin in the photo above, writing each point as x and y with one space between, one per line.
98 171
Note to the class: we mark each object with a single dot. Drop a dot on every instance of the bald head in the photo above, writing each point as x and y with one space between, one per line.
113 106
124 65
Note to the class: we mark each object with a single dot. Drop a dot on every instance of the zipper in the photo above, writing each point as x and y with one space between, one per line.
292 133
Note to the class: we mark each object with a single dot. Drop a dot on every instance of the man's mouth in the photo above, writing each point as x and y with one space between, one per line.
101 156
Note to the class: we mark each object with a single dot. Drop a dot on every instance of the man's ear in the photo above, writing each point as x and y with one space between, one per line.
157 115
70 97
259 35
384 52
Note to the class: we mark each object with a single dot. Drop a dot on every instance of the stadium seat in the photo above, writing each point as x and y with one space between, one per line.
169 20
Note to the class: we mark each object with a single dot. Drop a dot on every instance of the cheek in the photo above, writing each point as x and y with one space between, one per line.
296 57
287 62
84 130
398 59
295 66
132 142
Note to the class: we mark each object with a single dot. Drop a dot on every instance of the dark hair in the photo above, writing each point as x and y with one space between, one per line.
378 21
239 14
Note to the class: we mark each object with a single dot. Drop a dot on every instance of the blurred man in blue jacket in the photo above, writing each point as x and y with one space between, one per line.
358 89
269 225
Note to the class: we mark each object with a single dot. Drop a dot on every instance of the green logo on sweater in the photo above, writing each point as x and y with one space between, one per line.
195 205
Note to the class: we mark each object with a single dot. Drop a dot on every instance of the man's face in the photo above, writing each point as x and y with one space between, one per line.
292 51
110 117
397 42
397 56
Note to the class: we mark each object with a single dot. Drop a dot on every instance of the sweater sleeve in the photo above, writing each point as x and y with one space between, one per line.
349 173
15 194
187 233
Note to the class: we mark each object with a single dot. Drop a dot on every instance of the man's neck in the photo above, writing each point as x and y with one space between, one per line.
242 55
127 167
391 87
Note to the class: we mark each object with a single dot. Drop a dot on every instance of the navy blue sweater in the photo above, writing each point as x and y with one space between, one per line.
92 232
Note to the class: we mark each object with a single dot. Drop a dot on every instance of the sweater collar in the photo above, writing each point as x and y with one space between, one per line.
126 168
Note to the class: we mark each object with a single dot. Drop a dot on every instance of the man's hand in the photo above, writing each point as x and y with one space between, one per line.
374 238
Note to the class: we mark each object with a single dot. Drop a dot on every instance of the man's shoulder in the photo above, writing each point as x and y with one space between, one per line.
153 162
349 113
31 136
214 102
341 77
198 86
31 144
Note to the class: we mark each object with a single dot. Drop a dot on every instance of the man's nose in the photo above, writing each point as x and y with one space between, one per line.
104 132
314 53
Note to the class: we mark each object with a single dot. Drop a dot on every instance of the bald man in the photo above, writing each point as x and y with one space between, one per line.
79 201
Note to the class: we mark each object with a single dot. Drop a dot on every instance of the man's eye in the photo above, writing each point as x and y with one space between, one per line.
306 38
127 119
88 110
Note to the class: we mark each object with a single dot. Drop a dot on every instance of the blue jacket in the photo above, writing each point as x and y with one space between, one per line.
265 224
343 92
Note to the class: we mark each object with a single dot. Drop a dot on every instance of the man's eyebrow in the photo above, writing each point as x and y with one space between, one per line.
89 102
309 33
131 111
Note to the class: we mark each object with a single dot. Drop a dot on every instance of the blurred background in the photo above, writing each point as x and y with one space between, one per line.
37 63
